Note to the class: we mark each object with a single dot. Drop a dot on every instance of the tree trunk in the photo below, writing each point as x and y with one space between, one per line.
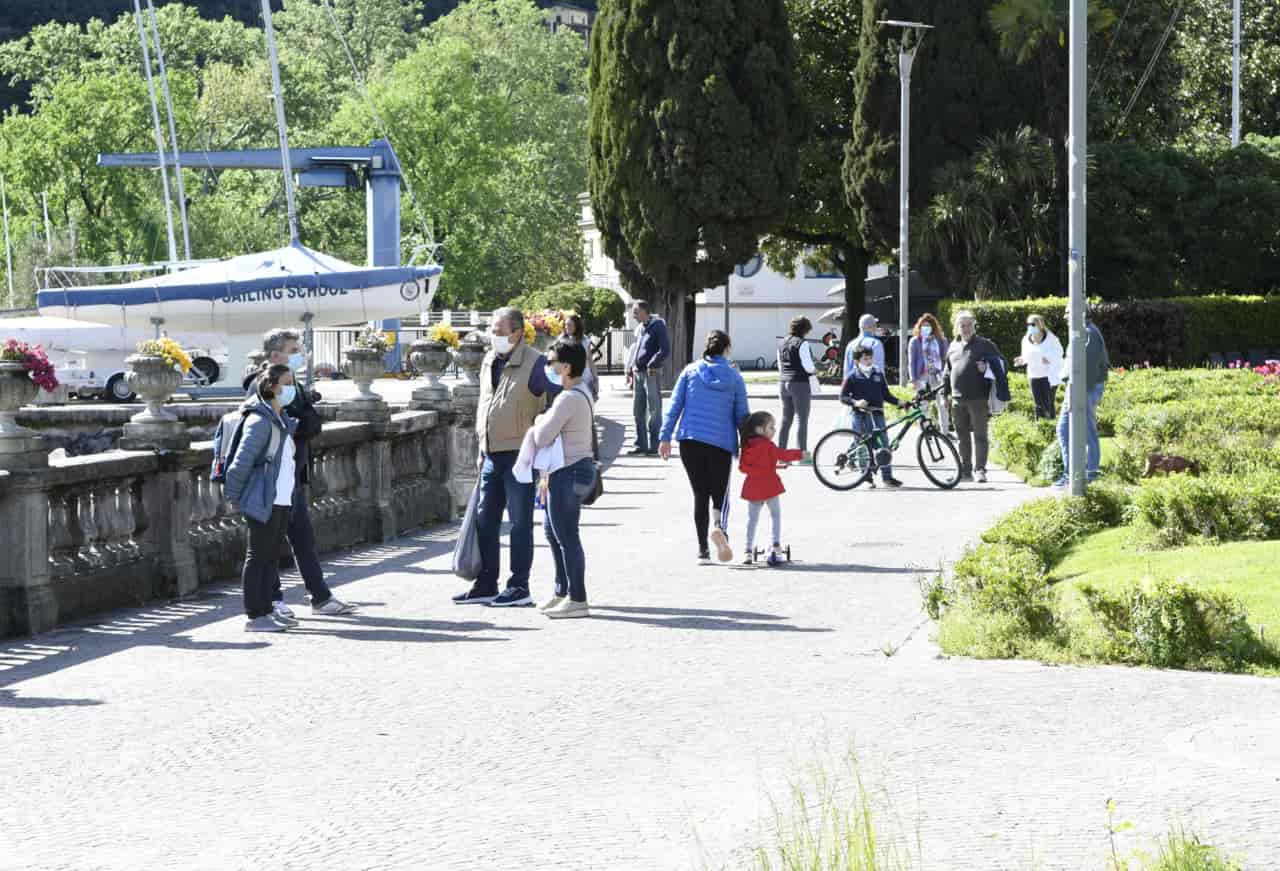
680 327
855 292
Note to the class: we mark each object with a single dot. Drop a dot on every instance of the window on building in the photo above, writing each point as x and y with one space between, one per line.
823 269
750 268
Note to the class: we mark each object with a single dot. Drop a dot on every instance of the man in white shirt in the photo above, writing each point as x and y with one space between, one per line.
867 325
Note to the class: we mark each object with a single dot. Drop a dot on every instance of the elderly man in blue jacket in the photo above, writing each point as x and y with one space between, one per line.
651 349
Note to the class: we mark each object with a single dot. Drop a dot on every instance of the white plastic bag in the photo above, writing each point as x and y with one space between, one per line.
844 418
466 553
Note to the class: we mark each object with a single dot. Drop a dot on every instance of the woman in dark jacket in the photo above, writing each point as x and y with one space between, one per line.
260 481
795 368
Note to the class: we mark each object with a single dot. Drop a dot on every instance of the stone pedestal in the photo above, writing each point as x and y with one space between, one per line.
20 448
431 359
155 428
27 602
363 365
464 444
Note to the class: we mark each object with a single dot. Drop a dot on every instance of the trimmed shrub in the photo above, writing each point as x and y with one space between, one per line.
1172 624
1020 440
1228 323
1049 467
1179 509
1046 527
1005 579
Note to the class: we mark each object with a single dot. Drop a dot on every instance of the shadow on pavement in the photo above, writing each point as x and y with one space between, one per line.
11 699
799 566
356 634
699 618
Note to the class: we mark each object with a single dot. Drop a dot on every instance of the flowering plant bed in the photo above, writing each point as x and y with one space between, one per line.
34 360
169 350
445 335
370 339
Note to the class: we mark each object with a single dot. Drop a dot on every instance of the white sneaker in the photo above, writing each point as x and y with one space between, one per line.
283 614
568 609
333 608
263 624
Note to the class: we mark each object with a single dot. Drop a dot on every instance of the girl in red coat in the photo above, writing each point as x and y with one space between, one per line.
760 462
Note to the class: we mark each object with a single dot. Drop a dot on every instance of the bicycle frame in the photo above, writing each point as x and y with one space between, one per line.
907 420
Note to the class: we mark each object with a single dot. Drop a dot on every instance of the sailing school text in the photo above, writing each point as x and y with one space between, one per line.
278 293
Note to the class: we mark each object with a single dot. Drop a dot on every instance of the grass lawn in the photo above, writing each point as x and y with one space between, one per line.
1246 569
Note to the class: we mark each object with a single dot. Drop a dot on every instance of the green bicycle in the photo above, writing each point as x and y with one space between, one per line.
844 459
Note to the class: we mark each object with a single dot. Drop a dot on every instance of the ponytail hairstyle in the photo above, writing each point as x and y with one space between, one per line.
269 381
717 344
754 425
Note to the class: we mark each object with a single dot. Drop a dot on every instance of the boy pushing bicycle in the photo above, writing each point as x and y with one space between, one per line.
866 392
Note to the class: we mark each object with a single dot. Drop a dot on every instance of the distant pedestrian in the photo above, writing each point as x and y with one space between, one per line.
708 408
1096 368
650 350
569 419
868 326
866 391
968 359
284 347
927 357
260 485
795 368
1042 355
763 486
513 391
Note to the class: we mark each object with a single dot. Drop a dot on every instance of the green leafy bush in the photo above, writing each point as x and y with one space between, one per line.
1046 527
1171 624
600 309
1020 440
1181 508
1005 579
1049 466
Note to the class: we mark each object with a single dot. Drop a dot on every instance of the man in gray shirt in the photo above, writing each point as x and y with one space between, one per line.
965 374
1096 368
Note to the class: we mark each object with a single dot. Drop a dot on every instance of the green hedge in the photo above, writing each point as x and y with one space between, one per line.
1179 509
1180 331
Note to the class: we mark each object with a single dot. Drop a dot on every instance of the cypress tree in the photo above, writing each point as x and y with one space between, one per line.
692 141
962 89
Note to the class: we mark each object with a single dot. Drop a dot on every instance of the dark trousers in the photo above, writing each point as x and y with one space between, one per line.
1043 392
565 489
796 396
971 417
867 421
708 469
261 561
500 491
302 541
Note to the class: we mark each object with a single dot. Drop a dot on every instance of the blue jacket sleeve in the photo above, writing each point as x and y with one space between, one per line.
675 409
848 358
662 338
877 355
253 444
538 383
741 408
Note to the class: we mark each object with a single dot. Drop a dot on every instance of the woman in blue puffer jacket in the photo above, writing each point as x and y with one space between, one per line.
260 482
708 407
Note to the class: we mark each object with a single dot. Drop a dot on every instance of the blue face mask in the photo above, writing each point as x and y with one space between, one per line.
553 376
926 330
287 394
297 361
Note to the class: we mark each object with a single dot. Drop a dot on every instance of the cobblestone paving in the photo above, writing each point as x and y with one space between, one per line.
427 736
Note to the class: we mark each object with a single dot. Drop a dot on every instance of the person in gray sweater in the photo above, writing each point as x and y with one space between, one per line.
965 374
1096 368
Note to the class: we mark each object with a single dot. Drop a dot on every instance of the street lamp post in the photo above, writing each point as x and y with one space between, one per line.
1235 73
905 60
1076 242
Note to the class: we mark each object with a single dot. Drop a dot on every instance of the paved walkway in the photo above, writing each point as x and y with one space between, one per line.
653 736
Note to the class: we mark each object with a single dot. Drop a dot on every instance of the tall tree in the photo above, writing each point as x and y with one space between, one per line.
692 140
818 222
961 90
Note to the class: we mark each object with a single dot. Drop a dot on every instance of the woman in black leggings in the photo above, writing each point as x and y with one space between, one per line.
707 409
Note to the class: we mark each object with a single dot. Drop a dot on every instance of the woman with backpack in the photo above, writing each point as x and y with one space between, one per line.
260 478
569 419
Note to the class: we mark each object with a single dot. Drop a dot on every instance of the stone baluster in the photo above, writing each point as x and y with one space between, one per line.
107 523
132 515
61 541
88 556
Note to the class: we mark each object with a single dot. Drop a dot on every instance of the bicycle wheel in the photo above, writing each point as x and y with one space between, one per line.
938 457
842 459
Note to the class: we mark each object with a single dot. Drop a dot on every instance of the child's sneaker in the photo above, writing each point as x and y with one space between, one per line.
750 558
704 558
721 542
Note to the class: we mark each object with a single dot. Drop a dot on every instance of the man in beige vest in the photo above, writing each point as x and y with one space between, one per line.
513 391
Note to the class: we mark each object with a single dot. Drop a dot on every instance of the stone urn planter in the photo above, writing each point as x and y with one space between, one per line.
155 427
363 365
429 358
469 356
154 379
16 390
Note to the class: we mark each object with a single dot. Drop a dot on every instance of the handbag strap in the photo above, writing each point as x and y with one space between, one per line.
578 388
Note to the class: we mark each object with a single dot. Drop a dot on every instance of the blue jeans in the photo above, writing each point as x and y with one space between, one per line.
1093 447
648 409
864 422
565 489
500 490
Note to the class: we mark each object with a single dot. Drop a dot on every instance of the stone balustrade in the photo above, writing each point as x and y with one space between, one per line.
117 528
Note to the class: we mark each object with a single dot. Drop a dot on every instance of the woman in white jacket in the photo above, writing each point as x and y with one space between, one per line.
1042 355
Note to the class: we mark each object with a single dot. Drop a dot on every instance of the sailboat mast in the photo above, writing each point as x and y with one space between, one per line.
173 132
278 98
8 248
155 123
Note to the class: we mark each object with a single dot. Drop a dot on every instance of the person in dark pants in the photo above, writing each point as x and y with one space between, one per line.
867 392
284 347
651 349
966 380
708 408
795 368
260 484
513 392
1042 355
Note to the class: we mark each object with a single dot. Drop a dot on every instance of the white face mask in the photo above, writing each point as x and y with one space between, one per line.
866 368
502 344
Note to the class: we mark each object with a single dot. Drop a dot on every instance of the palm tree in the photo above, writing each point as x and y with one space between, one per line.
1035 32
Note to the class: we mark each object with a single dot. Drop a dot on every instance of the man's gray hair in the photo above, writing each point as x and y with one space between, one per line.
513 316
963 315
867 320
273 341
